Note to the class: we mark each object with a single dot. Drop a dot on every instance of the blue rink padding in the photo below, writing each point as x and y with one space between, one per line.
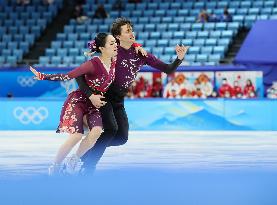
153 114
20 83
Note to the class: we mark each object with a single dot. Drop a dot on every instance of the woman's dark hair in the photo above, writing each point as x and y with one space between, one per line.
116 26
249 81
99 41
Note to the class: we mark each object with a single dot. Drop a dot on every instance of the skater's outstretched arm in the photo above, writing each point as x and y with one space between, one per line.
164 67
85 68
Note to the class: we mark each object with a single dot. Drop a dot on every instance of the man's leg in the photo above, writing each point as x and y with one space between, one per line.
121 136
110 127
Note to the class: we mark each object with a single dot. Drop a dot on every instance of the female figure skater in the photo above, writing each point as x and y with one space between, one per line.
99 74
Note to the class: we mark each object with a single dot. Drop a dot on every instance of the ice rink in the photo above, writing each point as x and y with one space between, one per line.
26 153
209 168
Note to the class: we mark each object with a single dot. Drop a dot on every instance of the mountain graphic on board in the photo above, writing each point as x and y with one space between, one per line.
195 121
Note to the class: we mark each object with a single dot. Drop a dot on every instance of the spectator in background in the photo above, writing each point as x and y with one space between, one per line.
225 90
131 91
203 16
196 92
147 89
142 88
186 87
82 2
172 89
214 94
78 12
118 5
213 17
139 88
100 12
48 2
205 85
226 16
237 90
272 91
134 1
157 88
23 2
249 89
199 93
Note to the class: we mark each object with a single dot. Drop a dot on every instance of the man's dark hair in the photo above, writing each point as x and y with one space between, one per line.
116 26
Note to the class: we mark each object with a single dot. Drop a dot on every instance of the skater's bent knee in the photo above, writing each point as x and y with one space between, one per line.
120 140
123 141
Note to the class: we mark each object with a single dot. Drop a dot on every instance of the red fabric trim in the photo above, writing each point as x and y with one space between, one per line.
136 45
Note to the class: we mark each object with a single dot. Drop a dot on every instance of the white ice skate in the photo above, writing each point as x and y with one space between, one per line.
55 169
73 165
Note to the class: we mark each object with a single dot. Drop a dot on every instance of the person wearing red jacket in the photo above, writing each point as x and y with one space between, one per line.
157 88
225 89
249 89
237 90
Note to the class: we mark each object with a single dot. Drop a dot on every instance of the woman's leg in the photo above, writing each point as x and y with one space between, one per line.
71 120
67 146
92 157
89 141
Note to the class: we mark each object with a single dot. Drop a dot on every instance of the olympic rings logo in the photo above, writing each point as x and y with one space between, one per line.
30 114
24 81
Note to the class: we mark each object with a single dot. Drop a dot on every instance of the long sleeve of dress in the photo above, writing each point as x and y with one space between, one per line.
84 86
85 68
154 62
